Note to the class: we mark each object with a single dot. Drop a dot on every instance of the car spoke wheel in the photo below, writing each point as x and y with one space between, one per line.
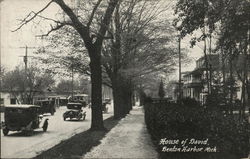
52 112
5 131
79 117
84 116
45 126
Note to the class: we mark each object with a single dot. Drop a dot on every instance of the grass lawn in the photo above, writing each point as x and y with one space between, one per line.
78 145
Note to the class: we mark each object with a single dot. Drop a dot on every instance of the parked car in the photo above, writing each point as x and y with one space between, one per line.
104 108
47 106
75 112
79 98
104 104
107 100
23 118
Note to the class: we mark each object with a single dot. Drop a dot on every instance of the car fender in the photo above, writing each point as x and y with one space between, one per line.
43 121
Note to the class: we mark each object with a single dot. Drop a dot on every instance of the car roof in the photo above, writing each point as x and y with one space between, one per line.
75 103
80 95
22 106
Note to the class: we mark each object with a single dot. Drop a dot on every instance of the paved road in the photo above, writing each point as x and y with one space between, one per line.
17 145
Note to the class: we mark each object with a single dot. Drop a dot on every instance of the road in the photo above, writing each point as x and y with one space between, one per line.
17 145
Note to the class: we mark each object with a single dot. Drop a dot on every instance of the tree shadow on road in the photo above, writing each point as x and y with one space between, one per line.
78 145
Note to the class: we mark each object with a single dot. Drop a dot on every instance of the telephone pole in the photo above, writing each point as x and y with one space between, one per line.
25 60
25 57
180 90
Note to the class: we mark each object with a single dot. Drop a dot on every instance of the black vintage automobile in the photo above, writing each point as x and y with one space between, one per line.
24 118
75 112
47 106
106 101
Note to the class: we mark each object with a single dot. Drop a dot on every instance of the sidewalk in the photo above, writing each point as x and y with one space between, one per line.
129 139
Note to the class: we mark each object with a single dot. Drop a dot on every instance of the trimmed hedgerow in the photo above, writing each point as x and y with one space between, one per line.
190 120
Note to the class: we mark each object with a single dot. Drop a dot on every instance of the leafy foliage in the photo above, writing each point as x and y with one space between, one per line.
27 83
81 85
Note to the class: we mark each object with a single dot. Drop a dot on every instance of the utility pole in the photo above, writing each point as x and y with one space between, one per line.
76 6
25 57
25 60
180 90
72 81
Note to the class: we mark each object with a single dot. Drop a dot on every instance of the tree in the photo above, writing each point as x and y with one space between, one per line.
228 20
93 36
139 48
26 83
161 92
65 86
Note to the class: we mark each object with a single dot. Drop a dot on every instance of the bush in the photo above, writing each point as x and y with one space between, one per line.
190 120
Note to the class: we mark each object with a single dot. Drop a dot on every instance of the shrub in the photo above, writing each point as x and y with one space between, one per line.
190 120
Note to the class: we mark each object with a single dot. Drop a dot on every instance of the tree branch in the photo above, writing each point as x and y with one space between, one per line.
105 22
81 29
28 18
58 26
93 13
56 21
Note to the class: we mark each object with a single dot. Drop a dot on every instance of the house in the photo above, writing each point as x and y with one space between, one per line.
6 98
195 83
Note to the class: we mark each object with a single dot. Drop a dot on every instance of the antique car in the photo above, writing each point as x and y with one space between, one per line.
104 107
79 98
24 118
107 100
104 104
47 106
75 112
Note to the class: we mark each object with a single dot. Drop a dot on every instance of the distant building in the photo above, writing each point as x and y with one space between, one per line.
6 98
194 83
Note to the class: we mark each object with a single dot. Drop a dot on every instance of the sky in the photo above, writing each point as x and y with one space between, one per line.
13 43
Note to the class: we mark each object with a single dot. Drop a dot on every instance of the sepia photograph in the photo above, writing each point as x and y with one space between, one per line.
132 79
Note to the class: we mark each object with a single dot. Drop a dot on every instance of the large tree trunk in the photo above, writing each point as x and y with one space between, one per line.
119 104
127 91
122 96
96 92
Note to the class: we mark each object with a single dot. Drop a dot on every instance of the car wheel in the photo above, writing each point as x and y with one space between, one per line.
84 116
79 117
64 118
45 126
5 131
52 112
